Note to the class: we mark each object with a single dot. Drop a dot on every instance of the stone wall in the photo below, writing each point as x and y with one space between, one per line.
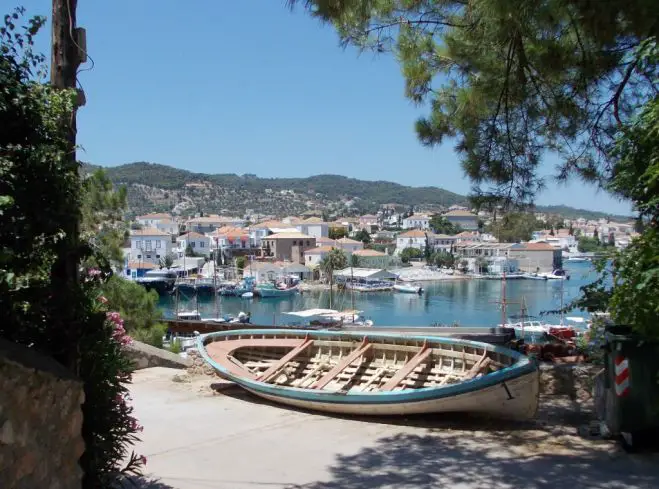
146 356
40 422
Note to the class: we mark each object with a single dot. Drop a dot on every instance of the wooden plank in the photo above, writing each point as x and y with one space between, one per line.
481 366
407 369
354 355
268 374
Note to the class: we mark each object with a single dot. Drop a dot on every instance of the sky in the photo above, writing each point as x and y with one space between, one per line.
251 87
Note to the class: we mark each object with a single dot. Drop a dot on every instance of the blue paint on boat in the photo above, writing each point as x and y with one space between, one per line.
522 366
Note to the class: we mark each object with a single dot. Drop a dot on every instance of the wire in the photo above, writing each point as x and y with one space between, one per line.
75 42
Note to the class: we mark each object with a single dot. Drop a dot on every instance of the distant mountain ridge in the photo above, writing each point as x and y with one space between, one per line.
155 187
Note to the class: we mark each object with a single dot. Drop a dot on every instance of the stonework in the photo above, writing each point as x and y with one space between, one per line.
574 381
146 356
198 366
40 422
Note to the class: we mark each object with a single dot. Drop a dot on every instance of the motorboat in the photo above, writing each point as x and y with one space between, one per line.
330 318
408 288
558 274
534 276
374 373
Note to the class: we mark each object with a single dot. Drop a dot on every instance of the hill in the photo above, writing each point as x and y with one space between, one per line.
153 188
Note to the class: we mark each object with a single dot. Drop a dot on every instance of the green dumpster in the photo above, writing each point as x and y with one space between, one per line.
632 366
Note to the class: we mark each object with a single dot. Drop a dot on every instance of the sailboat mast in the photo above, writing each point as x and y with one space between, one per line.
215 282
562 285
503 299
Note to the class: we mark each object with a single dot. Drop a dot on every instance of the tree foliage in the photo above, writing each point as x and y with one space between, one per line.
103 224
441 225
363 236
513 79
337 233
40 207
409 254
514 227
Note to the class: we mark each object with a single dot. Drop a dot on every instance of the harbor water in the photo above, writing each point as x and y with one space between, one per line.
449 302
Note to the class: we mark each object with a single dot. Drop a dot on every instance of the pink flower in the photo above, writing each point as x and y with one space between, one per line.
142 459
102 300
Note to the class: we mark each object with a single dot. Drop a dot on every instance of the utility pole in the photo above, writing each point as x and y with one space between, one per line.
65 60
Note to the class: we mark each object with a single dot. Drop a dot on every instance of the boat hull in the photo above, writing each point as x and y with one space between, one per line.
514 399
511 392
276 292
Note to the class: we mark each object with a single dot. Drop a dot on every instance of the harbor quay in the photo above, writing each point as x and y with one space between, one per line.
201 432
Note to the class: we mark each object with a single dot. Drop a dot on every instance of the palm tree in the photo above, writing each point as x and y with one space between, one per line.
335 260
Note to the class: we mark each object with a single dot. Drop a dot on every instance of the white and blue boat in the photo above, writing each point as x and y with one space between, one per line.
375 373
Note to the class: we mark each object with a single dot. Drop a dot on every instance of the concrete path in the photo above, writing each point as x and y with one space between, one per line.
196 438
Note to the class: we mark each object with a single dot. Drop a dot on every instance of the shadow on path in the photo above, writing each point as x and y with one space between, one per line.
486 461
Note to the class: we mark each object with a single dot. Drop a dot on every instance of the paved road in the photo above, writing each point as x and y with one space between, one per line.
196 439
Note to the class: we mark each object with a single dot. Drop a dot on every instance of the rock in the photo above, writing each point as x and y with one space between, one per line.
7 433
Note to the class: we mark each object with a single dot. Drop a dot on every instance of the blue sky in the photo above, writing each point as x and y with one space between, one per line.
249 87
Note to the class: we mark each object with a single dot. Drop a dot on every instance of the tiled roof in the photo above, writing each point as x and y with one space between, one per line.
459 213
192 235
292 235
313 220
148 232
269 224
369 253
319 250
535 247
414 233
345 240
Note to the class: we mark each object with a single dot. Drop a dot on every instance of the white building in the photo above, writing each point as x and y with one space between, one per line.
262 229
465 219
149 245
152 220
372 259
349 245
314 226
269 271
198 243
416 221
411 239
313 256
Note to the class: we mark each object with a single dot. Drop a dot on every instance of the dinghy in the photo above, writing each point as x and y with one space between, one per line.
408 289
375 373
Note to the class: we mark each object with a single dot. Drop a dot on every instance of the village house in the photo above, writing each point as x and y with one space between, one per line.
443 242
561 238
287 246
313 256
208 224
412 239
495 257
268 271
367 222
195 242
262 229
137 269
465 219
416 221
152 220
314 226
536 257
349 245
372 259
149 245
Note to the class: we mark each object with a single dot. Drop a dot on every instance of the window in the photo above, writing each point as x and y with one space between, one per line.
201 244
148 245
148 256
158 244
294 242
138 244
308 243
139 256
157 256
192 243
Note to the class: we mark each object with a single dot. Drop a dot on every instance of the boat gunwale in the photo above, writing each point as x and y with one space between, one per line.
523 366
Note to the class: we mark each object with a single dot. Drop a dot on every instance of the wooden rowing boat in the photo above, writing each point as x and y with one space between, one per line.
375 373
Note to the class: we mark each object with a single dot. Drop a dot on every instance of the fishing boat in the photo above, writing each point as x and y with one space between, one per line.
408 288
375 373
534 276
162 281
330 318
283 288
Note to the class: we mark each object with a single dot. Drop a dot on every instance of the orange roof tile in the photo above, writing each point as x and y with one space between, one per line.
369 253
148 232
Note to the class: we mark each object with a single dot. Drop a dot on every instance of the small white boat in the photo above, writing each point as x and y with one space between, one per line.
557 274
375 373
534 276
408 289
247 295
331 317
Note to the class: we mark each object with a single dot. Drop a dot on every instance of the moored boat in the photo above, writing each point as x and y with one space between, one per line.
375 373
408 288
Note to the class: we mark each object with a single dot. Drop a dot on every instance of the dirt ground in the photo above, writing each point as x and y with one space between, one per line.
200 432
